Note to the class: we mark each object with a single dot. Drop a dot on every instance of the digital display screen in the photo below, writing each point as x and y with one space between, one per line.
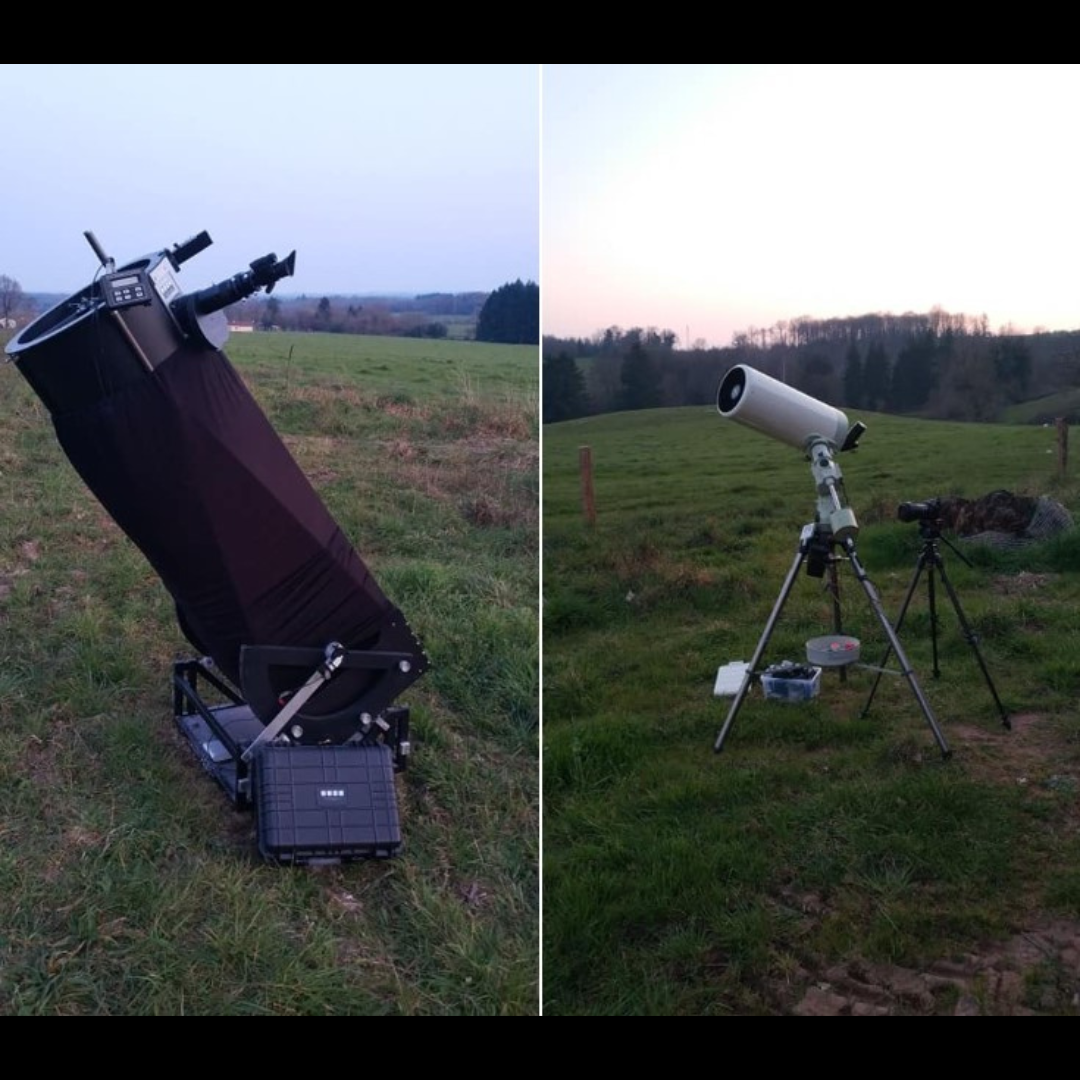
123 282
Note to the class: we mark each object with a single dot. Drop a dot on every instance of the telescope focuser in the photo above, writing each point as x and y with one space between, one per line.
264 273
198 312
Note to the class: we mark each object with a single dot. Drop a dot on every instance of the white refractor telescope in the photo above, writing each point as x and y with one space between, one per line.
773 408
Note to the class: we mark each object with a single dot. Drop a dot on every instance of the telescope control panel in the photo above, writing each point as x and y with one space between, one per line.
127 288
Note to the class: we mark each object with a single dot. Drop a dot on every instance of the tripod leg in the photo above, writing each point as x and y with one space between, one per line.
899 622
894 642
759 652
973 640
837 611
932 598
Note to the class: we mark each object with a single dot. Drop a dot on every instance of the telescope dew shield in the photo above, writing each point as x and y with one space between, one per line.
778 410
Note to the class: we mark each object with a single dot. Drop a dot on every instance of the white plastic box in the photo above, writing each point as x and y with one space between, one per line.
781 689
729 678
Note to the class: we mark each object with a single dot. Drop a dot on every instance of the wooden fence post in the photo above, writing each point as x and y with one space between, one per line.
588 499
1062 425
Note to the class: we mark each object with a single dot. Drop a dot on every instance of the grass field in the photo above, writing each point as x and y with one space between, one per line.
822 862
128 883
1044 409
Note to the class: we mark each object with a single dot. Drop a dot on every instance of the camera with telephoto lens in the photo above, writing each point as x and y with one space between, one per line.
930 510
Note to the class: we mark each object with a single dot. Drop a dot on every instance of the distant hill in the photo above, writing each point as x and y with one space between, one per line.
933 365
1046 409
439 314
42 301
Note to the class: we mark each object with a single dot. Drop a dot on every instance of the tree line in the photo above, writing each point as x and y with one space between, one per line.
933 365
509 315
391 316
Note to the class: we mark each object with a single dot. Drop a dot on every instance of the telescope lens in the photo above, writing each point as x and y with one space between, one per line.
919 511
731 390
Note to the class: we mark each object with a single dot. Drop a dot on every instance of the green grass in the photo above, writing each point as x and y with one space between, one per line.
1063 403
677 880
128 883
447 371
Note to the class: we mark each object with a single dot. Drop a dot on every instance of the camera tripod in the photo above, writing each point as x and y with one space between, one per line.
817 544
930 560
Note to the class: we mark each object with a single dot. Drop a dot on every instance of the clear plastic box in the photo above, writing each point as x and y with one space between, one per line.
789 689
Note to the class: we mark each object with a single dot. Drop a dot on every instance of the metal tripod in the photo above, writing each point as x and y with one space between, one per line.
813 539
930 560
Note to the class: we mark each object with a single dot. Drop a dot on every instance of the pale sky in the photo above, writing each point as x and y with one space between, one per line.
711 198
395 178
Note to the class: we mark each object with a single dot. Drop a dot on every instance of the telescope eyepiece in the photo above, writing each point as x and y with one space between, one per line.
264 273
267 271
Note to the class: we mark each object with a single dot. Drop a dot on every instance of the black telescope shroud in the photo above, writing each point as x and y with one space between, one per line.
185 461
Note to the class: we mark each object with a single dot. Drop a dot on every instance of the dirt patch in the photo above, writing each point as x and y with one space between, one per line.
1029 754
46 760
487 419
401 449
29 552
485 512
1036 972
486 479
401 410
1020 584
83 839
345 901
473 894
